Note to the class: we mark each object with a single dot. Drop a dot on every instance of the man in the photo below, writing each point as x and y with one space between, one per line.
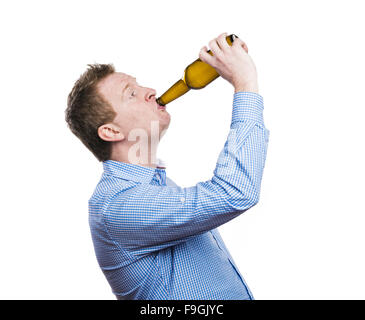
152 238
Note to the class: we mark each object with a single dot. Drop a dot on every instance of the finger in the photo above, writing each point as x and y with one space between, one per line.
215 48
205 56
222 42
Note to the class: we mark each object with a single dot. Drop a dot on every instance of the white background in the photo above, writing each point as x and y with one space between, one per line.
304 240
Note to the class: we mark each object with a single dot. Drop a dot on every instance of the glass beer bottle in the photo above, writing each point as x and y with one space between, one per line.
196 76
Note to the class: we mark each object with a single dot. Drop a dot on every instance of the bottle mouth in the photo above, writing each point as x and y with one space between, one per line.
158 101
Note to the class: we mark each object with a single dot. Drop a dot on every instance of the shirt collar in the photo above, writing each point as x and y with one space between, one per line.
133 172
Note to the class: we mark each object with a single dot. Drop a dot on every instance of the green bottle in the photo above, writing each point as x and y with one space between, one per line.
196 76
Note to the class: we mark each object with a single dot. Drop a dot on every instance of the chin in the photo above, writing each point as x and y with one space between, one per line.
164 125
164 120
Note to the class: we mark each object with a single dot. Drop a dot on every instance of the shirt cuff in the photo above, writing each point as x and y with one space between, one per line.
247 106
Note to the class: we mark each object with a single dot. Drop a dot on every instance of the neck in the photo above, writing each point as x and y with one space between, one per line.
141 153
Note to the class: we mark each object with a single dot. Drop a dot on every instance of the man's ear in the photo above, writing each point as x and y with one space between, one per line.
110 132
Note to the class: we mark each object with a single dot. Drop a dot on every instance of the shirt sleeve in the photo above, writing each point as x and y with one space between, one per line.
147 218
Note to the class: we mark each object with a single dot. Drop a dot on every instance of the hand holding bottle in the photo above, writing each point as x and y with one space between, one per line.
232 63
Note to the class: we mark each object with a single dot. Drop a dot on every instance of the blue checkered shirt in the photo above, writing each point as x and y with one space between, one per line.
156 240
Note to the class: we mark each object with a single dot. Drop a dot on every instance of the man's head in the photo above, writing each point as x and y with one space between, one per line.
104 106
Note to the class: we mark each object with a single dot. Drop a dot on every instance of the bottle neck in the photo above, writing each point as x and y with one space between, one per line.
176 91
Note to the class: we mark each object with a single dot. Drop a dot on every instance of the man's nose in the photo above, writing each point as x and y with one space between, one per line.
150 94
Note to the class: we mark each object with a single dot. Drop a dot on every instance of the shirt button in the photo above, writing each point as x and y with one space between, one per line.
182 199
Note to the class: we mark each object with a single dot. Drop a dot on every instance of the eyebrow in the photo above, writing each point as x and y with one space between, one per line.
127 86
